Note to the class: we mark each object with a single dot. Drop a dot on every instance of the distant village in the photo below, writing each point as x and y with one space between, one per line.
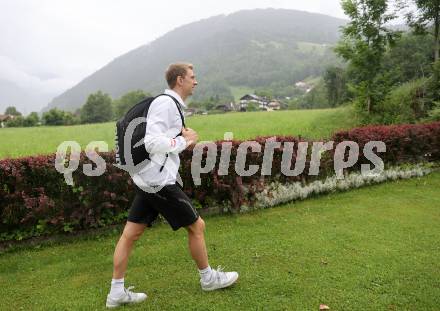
248 102
259 103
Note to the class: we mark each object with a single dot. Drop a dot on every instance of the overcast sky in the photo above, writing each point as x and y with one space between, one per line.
50 45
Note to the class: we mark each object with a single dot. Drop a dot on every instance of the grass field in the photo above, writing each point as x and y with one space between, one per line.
16 142
375 248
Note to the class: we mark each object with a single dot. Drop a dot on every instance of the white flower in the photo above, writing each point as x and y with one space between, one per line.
282 193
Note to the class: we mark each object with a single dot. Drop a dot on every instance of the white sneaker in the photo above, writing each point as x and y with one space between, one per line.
219 279
128 297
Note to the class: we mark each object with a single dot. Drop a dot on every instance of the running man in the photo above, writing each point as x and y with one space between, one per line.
163 125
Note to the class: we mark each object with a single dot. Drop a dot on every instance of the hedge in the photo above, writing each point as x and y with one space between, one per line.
35 200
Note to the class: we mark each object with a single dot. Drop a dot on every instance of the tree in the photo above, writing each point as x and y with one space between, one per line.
59 117
434 114
335 83
53 117
406 103
216 90
123 104
410 58
364 42
425 19
18 121
97 109
433 92
70 118
315 98
31 120
266 93
12 111
252 107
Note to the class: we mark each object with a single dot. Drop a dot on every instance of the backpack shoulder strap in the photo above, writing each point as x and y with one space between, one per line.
178 107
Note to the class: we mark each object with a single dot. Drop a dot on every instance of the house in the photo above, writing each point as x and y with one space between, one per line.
304 86
235 106
4 118
274 105
225 107
252 98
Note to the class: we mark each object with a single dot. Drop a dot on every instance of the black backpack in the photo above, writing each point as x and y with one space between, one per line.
139 154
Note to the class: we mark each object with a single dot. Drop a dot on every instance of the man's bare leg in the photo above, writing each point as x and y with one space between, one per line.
118 294
130 235
196 243
210 279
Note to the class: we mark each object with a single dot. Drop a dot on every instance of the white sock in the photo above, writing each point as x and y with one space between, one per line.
117 288
205 274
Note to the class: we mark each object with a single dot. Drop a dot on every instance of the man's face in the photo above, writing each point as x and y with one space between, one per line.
189 82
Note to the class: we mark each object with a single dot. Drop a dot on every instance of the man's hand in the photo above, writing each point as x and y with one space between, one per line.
190 136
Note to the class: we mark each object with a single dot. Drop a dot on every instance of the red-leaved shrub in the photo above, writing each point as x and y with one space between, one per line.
35 200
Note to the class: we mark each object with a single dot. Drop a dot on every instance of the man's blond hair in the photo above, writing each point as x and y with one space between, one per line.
175 70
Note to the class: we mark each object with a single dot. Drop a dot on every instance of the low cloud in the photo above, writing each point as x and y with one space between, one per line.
46 83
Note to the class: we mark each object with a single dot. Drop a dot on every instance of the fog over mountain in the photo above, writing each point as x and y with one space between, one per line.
24 99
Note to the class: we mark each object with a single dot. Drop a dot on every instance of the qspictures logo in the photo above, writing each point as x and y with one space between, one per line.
346 154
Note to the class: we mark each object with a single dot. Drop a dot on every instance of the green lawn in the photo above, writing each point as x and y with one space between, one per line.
16 142
375 248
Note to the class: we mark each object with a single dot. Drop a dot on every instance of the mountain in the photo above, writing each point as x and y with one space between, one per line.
252 48
25 100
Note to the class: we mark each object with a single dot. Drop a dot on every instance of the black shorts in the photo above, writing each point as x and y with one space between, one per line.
171 202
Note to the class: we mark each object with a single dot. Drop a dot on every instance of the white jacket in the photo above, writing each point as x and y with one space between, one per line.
163 125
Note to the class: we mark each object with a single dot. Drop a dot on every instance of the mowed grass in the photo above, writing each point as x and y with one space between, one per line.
17 142
375 248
